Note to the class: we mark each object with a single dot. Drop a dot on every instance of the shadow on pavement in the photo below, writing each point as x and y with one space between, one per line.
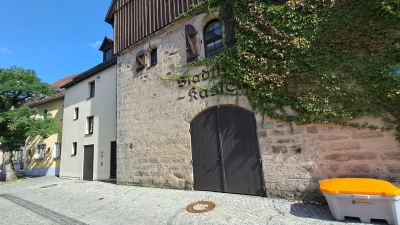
322 212
19 176
308 210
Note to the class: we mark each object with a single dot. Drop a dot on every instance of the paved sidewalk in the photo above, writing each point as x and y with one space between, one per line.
50 200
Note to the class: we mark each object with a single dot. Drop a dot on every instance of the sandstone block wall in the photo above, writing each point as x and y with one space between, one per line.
154 143
295 160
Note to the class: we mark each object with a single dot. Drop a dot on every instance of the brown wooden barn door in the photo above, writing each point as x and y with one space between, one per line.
88 151
225 152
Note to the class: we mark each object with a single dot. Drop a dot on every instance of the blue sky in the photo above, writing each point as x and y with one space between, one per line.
54 38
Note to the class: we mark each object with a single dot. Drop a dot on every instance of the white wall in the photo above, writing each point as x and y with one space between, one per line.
103 107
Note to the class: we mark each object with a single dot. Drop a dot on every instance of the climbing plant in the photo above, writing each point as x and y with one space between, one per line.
313 61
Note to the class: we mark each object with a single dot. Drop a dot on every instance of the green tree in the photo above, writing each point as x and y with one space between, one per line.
17 122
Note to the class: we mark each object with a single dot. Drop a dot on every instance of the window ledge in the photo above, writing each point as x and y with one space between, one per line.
88 135
152 66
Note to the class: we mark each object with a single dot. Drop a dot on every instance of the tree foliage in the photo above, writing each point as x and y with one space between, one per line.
313 61
17 121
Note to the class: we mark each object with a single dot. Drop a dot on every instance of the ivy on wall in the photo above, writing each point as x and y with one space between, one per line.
313 61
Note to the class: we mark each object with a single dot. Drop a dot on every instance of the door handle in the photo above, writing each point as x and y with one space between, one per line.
219 159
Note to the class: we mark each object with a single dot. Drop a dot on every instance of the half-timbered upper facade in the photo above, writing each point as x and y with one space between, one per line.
134 20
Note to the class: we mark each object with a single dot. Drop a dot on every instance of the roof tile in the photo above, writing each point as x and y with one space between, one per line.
56 86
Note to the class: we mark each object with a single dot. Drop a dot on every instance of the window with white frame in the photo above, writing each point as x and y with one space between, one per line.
19 160
62 112
57 150
89 125
76 113
74 147
40 152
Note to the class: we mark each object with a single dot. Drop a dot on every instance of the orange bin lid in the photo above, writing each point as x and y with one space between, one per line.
364 186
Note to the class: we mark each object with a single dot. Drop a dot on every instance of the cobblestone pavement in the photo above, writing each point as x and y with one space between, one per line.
50 200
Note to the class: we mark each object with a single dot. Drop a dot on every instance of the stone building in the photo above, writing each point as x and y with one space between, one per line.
173 134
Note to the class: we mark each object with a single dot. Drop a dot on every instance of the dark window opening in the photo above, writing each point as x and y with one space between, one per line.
213 39
153 57
92 90
113 160
108 54
45 113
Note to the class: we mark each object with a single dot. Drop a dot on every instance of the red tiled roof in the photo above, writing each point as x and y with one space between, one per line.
63 81
56 87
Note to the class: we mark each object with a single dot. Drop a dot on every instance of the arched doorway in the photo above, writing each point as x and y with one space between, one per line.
225 152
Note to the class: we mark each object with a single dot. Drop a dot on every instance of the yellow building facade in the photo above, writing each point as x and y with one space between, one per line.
42 157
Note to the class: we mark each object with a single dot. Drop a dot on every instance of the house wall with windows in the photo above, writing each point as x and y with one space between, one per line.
42 156
155 119
89 120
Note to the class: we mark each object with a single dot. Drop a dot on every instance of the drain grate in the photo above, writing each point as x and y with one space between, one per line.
47 186
200 207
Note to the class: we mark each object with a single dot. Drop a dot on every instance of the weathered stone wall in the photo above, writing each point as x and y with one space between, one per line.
295 160
154 143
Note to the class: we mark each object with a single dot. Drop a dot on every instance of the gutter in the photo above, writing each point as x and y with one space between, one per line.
100 67
45 101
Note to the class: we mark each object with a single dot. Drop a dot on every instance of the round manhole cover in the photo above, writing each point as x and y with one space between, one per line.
200 207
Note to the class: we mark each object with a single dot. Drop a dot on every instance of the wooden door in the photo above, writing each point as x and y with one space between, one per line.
207 167
88 151
113 160
242 164
225 152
